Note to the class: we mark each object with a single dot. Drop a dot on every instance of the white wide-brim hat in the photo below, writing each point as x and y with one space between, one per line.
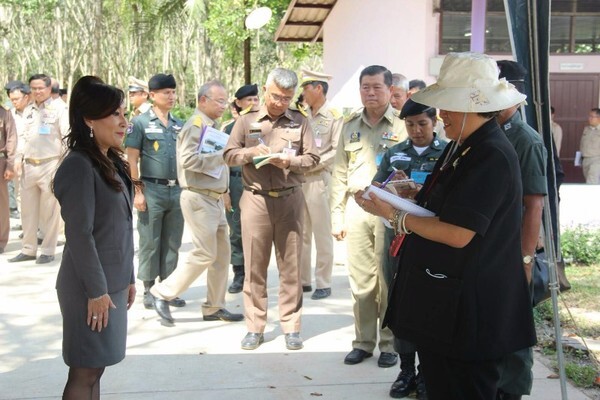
468 82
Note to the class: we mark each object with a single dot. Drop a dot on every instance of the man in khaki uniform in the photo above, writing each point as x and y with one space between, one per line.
43 135
365 137
272 204
326 122
138 96
590 148
8 147
204 179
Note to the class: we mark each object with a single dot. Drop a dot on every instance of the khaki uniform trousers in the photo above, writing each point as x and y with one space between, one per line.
4 208
205 217
267 221
591 170
39 208
365 241
317 220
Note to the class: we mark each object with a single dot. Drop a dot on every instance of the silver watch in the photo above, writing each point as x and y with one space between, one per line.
527 259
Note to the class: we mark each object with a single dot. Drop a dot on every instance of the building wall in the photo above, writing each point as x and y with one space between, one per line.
402 35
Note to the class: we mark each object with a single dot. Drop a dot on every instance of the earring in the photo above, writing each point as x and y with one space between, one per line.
91 132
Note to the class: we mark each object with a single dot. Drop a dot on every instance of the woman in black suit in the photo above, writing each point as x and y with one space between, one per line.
95 282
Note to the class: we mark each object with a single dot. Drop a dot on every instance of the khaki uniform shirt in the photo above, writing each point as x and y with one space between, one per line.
20 118
327 126
590 142
44 129
191 165
142 109
8 138
359 153
291 130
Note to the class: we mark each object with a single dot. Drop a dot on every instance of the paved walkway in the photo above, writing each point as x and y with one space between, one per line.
195 359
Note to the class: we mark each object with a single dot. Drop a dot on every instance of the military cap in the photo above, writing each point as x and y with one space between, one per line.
411 108
162 81
137 85
513 72
246 90
25 89
12 84
311 76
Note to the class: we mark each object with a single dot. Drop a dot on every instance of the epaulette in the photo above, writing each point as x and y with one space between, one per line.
302 111
335 112
247 110
198 121
353 115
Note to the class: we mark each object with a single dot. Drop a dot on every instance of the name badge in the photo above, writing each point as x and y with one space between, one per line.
419 176
318 142
289 151
400 158
153 130
44 129
378 159
254 135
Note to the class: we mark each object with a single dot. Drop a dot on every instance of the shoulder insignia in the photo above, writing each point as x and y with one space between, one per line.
302 111
335 112
246 110
353 115
198 121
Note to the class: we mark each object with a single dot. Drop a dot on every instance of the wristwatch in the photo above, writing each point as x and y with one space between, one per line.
527 259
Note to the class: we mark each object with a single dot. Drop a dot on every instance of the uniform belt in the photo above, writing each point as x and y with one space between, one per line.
237 174
273 192
39 161
208 192
166 182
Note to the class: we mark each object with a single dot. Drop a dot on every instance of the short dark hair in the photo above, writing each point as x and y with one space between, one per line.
417 83
489 115
551 110
42 77
324 85
596 110
373 70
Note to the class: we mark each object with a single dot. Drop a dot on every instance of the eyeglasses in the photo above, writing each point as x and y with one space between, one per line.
39 89
221 102
280 99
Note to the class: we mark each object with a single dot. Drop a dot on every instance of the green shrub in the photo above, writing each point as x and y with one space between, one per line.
581 245
583 375
182 112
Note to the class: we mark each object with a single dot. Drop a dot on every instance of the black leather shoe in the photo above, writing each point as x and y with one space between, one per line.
21 257
148 300
177 302
405 383
40 241
238 283
387 360
421 390
356 356
321 294
252 340
306 288
162 309
44 259
293 341
224 315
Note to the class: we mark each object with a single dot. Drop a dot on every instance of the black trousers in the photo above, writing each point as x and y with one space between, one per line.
451 379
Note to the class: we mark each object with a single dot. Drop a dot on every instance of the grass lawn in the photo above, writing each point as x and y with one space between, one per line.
583 301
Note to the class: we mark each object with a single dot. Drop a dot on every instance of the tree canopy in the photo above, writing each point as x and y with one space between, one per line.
195 40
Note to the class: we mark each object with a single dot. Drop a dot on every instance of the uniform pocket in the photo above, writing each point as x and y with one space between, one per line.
429 304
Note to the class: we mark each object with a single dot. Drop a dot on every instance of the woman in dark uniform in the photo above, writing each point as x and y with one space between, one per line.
95 282
415 158
460 293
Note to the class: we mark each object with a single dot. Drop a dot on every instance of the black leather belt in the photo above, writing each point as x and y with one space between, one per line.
166 182
237 174
275 193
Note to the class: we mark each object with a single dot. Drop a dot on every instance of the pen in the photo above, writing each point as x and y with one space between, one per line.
263 142
389 178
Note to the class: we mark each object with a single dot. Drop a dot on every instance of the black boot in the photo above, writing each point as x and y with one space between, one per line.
238 279
421 390
148 298
406 381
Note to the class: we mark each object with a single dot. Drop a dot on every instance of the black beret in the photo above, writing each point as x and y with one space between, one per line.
512 71
12 84
162 81
411 108
246 90
25 89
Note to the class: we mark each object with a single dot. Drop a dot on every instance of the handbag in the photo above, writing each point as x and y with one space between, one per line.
541 278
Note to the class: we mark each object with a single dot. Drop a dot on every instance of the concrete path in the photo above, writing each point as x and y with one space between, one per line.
195 359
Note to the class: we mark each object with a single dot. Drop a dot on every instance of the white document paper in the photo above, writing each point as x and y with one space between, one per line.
397 202
211 141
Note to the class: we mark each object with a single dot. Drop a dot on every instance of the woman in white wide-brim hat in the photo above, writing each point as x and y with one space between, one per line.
461 294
